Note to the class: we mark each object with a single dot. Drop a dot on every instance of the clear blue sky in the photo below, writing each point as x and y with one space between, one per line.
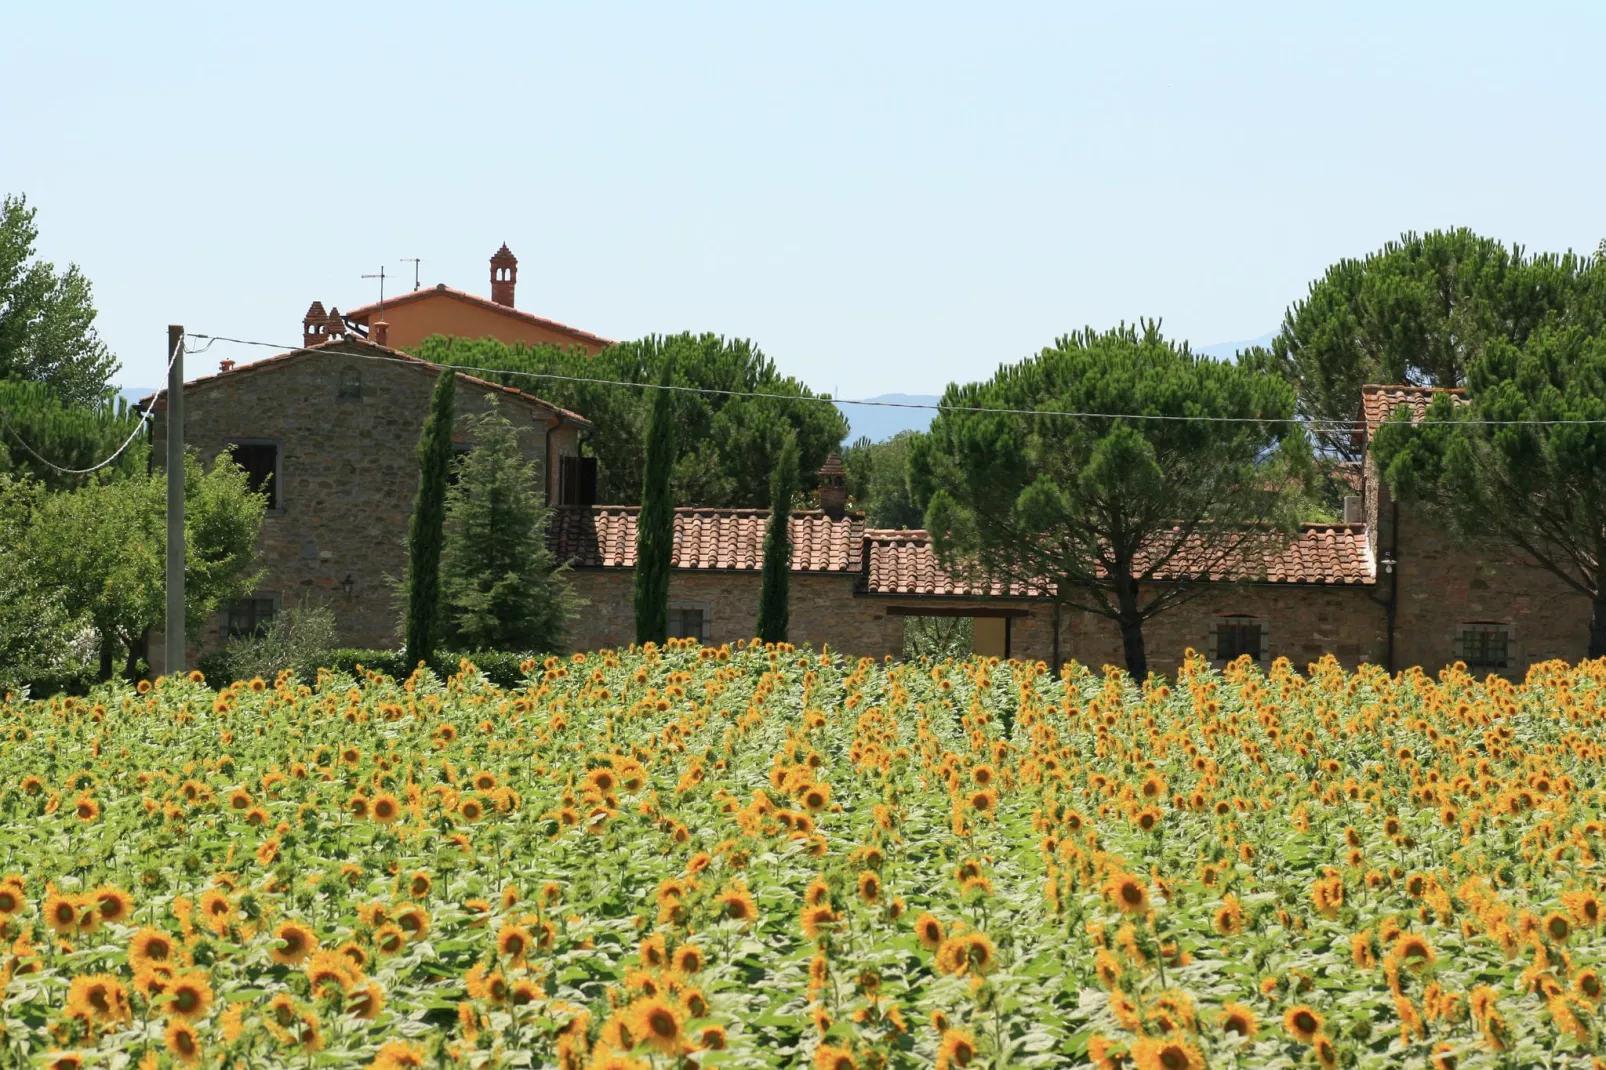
884 200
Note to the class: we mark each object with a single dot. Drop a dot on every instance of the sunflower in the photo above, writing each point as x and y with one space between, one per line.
816 797
929 931
385 808
814 919
190 994
1130 895
1236 1018
61 913
1166 1053
366 1002
737 904
1414 951
112 903
829 1057
389 939
413 920
695 1003
86 808
656 1022
688 959
958 1048
182 1042
1557 927
1302 1023
328 973
712 1038
1443 1056
1229 918
295 941
98 997
419 884
1326 1054
12 897
399 1055
150 947
1587 984
870 886
817 893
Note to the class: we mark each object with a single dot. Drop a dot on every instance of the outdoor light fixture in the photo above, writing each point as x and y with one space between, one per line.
1388 561
347 584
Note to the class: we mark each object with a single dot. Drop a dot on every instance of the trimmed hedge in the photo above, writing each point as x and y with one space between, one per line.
500 667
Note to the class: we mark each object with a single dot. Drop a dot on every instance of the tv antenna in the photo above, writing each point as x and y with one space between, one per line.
415 261
381 278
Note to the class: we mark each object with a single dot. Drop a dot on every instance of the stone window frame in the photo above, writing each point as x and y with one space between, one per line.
1240 619
277 509
703 608
273 600
1458 639
348 384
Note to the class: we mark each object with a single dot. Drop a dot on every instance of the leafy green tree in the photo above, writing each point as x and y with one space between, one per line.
35 629
36 426
655 525
1420 310
727 445
47 319
501 587
102 549
878 480
422 587
774 612
1106 514
1539 485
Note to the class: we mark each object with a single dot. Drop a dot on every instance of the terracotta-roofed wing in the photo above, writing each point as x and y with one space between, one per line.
708 539
1378 402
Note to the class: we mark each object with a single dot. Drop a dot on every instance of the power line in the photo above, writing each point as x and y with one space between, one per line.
144 418
1318 424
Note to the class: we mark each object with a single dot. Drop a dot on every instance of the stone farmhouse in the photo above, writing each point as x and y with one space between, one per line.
328 431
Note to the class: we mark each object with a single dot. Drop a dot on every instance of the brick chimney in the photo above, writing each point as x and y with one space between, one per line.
504 274
225 365
833 488
379 333
314 324
335 325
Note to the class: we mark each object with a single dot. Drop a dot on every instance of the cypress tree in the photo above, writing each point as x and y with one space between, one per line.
655 527
773 600
424 532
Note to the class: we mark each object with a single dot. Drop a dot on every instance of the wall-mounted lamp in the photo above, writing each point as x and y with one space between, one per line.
347 584
1388 561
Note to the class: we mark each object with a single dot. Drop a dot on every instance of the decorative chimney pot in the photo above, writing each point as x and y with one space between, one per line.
833 490
504 275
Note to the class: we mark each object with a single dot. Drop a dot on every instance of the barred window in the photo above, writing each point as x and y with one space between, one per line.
247 617
688 622
1485 645
1235 635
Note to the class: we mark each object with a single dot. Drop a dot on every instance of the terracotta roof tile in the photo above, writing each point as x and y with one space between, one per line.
903 562
362 315
363 346
712 539
1378 402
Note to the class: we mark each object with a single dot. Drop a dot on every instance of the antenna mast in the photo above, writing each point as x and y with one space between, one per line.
415 261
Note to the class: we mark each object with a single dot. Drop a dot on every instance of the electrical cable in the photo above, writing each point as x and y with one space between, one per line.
1320 424
144 419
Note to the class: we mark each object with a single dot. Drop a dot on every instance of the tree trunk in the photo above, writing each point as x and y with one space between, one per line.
108 649
1597 630
1137 659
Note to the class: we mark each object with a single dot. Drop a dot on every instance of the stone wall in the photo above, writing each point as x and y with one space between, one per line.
346 478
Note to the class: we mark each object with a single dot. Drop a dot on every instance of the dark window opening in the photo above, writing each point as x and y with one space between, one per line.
688 623
577 481
1486 646
350 384
261 464
1235 638
247 617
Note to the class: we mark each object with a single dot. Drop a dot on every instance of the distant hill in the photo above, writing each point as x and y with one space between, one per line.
133 394
882 423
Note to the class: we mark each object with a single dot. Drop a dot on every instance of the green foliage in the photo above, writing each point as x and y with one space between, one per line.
726 447
504 668
655 526
938 637
773 609
1420 310
878 480
35 423
501 588
1541 486
47 320
422 585
295 640
102 550
36 631
1094 508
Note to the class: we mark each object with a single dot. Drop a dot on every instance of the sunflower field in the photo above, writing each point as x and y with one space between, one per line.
770 857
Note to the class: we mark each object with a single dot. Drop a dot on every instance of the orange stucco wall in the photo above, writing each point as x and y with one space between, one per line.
412 322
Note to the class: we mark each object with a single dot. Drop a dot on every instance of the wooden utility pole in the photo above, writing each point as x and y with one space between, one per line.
175 500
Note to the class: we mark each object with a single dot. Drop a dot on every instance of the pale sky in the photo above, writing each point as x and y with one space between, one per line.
884 200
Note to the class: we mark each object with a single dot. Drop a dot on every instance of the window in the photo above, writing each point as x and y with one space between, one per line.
688 622
577 481
261 463
247 617
1485 645
1236 636
350 384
